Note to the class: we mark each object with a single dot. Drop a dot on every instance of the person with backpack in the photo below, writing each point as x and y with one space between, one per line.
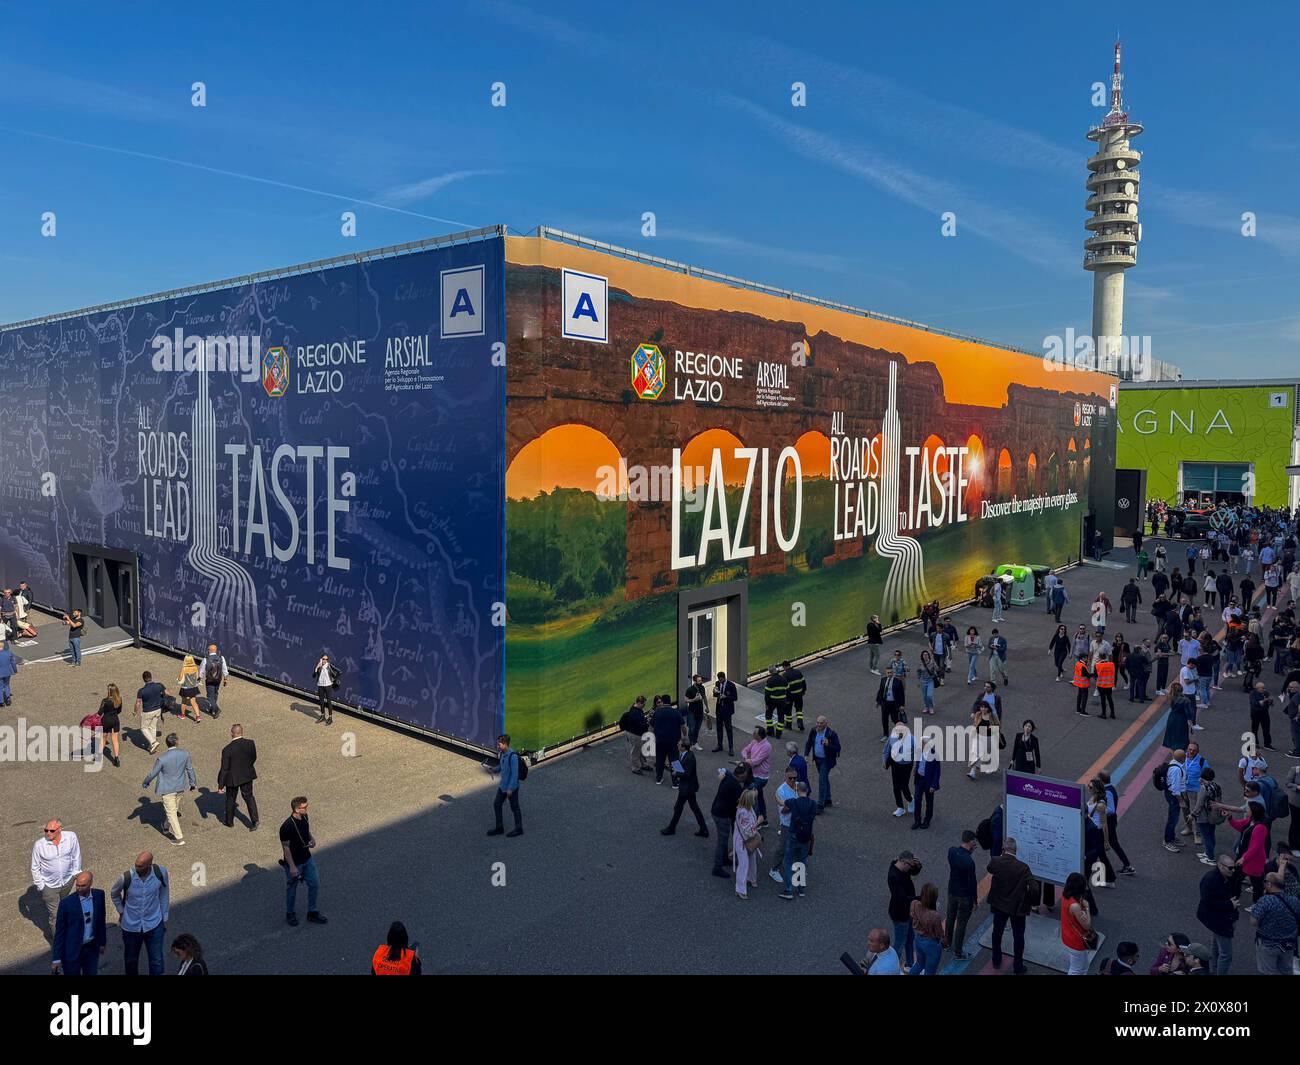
215 677
1276 919
799 840
1171 779
513 770
1207 815
142 899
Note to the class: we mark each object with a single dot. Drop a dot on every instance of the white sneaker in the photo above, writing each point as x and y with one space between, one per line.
1198 728
898 812
697 747
776 876
876 672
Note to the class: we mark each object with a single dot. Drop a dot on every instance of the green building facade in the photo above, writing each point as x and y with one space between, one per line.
1211 441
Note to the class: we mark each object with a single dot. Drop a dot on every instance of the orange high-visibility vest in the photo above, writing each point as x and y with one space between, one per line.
1105 674
1081 675
385 967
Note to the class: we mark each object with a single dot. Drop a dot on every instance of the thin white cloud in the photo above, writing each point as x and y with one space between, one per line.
235 174
1208 211
913 115
1016 232
402 195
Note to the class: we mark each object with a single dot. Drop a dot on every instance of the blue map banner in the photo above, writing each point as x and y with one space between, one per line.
303 464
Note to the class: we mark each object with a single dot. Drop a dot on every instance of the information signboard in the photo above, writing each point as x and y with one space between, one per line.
1045 818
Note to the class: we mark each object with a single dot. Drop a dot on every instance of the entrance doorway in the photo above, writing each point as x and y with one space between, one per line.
708 639
104 584
712 632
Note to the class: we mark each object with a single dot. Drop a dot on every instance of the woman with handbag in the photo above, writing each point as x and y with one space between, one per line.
982 720
745 845
928 674
110 708
188 683
1077 934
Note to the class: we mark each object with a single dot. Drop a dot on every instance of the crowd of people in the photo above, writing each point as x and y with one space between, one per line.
757 832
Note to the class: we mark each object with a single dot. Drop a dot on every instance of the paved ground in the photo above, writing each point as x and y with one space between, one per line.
591 886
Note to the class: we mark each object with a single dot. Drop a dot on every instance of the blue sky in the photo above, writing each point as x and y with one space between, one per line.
684 110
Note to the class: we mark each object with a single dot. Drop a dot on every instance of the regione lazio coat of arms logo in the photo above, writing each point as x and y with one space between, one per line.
648 371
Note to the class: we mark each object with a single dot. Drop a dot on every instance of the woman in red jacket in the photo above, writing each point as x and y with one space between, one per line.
1252 847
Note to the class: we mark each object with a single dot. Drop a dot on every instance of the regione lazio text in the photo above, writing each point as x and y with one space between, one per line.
304 463
705 477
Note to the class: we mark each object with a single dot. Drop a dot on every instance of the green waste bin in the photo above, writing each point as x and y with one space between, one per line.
1021 589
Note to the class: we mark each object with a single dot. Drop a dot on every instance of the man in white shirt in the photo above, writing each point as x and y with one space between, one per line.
1188 679
142 898
785 791
56 860
882 959
1251 767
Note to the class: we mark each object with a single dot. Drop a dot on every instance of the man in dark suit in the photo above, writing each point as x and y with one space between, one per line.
1009 901
724 702
688 785
80 931
666 724
237 774
891 696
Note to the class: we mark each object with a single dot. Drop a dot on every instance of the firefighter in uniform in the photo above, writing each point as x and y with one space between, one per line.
795 688
1082 680
774 702
1105 674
